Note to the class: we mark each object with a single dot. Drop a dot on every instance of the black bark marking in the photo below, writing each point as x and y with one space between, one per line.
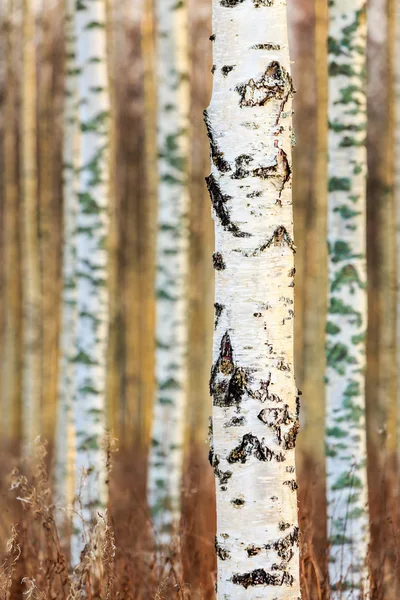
292 272
213 37
236 422
218 261
292 484
254 194
261 577
290 469
221 552
218 200
283 526
253 550
267 46
257 3
226 69
219 308
275 84
252 446
284 546
216 155
228 383
263 394
238 502
280 237
213 69
285 425
223 476
241 162
280 170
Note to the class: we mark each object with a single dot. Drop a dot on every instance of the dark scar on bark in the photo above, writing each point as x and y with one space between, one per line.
218 200
257 3
279 418
253 550
223 476
280 170
262 577
213 69
241 162
280 237
219 308
236 422
228 383
292 484
275 84
218 262
284 546
267 46
213 37
252 446
226 69
221 552
216 155
238 502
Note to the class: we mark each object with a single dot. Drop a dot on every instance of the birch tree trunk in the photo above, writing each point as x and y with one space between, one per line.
30 249
92 258
11 371
347 307
65 439
166 455
255 400
397 183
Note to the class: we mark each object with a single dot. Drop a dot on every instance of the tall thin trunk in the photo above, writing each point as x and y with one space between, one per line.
30 240
49 255
397 171
166 456
11 371
65 438
92 261
346 327
255 400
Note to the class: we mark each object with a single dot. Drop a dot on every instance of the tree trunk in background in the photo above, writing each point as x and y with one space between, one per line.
11 369
49 254
346 327
256 406
148 224
32 385
166 454
315 276
92 263
65 436
396 63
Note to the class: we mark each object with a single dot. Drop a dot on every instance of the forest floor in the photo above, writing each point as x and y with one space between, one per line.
34 565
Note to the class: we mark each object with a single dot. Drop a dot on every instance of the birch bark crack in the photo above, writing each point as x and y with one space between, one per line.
347 307
92 262
166 456
255 401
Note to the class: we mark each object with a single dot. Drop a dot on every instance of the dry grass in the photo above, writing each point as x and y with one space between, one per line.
119 562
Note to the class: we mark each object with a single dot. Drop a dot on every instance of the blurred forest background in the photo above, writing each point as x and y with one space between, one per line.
132 247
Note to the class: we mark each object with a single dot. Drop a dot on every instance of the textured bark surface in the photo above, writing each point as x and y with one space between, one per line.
65 439
30 248
11 367
256 407
91 276
166 455
347 305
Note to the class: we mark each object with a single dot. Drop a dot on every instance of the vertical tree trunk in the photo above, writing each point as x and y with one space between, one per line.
49 256
92 260
255 400
11 371
347 307
31 256
166 456
397 183
65 438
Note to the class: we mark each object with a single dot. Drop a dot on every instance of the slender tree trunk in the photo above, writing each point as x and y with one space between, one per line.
49 256
347 489
31 256
166 456
397 171
92 260
256 406
65 438
11 371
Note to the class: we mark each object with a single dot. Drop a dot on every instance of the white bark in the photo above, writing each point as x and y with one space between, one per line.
65 439
347 309
92 293
166 455
255 400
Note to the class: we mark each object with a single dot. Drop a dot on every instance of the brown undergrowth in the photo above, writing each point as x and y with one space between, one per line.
120 560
